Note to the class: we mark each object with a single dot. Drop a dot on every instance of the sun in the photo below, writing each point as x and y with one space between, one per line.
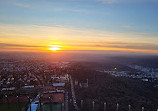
54 47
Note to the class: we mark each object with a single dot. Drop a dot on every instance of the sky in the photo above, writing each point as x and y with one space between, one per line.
79 25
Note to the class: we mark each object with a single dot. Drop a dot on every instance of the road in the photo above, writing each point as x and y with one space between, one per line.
66 101
73 95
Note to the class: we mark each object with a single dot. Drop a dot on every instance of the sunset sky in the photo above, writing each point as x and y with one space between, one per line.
73 25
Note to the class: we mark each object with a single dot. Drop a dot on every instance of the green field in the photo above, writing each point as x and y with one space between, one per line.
11 107
55 107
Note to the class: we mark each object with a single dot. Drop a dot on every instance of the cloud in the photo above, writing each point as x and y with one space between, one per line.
126 1
108 1
24 5
129 27
134 45
17 45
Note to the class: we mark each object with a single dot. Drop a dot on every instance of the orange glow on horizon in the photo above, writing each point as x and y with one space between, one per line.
59 48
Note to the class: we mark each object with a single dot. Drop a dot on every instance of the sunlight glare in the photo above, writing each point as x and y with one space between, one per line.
54 47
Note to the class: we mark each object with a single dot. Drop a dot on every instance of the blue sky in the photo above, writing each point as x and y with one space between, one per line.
96 14
118 16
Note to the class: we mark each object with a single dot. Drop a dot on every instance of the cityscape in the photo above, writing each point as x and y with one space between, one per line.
48 85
